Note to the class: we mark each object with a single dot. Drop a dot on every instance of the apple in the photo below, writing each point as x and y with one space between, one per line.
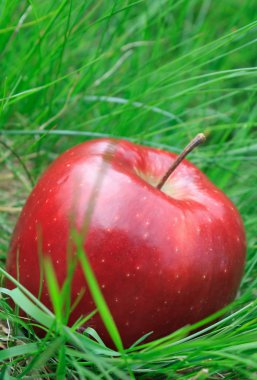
166 246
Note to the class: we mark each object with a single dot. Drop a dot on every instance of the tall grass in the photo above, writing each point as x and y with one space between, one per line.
154 72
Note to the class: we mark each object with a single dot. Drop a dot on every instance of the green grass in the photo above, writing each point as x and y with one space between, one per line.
157 73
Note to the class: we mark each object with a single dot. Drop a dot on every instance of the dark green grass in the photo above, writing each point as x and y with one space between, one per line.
154 72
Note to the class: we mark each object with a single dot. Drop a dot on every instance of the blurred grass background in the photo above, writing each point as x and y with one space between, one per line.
154 72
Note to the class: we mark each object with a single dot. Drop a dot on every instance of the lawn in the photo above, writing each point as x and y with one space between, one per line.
155 72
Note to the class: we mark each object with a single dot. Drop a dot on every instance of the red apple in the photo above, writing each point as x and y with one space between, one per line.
163 257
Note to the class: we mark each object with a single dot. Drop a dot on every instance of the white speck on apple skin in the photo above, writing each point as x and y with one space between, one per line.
30 228
209 220
24 260
177 276
103 286
145 236
137 267
68 165
179 291
204 276
116 300
127 323
191 308
27 275
103 261
54 219
176 249
128 274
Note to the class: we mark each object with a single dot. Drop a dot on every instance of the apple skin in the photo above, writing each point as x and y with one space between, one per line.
162 258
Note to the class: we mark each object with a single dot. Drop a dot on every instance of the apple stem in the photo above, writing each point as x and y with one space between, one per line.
199 139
